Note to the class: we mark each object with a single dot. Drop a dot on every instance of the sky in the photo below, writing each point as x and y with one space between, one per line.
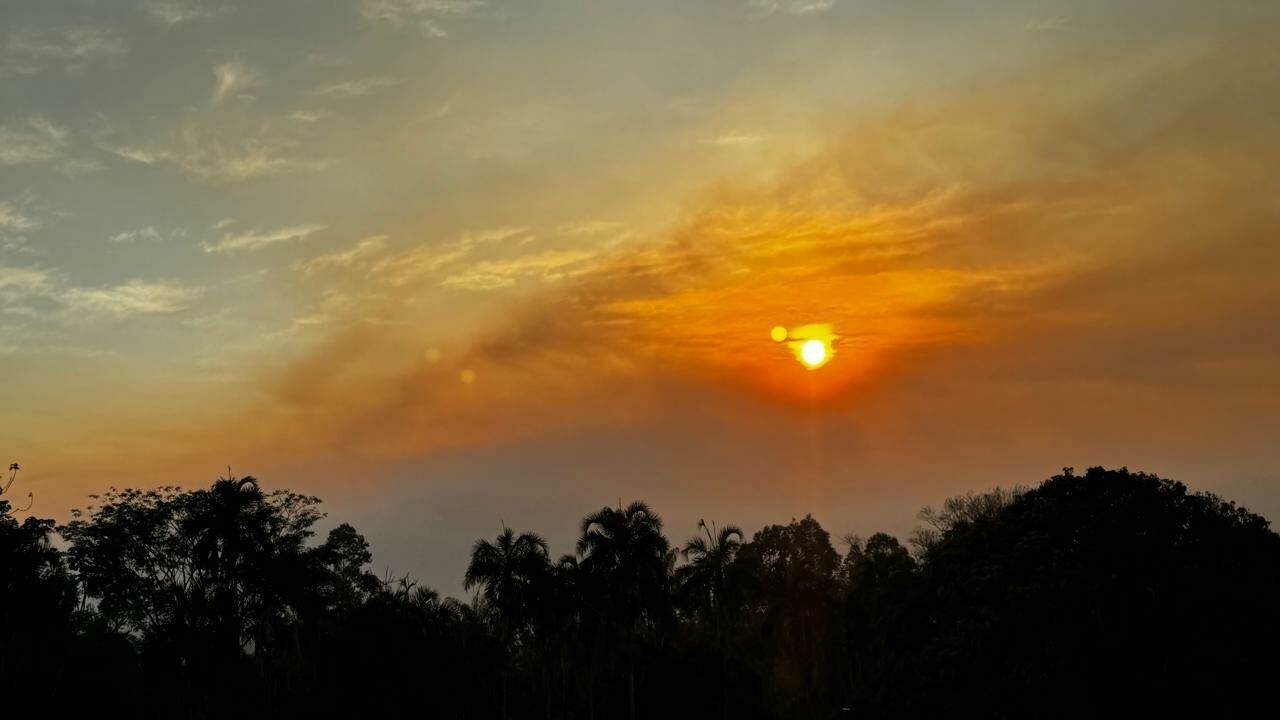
455 264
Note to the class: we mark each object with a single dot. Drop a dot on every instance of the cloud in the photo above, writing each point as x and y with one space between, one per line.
32 142
20 283
233 78
495 274
355 88
13 218
148 233
256 240
244 160
170 13
418 263
1083 276
75 47
966 251
228 154
426 14
734 139
354 256
590 226
135 297
140 155
793 7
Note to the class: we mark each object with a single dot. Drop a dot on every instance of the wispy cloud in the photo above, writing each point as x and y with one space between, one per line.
422 261
148 233
353 256
425 14
31 142
495 274
232 78
218 155
20 283
256 240
13 218
170 13
74 47
355 88
145 156
245 160
136 297
734 139
793 7
587 227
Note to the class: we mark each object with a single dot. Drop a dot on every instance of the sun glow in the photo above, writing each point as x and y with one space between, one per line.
813 353
812 344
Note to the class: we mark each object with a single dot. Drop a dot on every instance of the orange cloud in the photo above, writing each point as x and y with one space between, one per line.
1040 240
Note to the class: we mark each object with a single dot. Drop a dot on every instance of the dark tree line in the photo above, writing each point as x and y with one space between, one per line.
1098 594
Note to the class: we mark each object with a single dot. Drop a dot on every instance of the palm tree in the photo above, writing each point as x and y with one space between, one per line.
625 552
226 524
507 571
709 576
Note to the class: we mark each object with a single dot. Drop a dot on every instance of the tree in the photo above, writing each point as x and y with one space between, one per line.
342 560
507 571
625 555
36 603
711 585
1108 593
203 579
796 599
882 616
961 509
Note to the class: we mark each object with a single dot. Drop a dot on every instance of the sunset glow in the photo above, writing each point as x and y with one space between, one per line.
446 261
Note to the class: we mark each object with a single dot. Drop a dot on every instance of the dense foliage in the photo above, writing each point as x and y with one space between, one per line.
1110 592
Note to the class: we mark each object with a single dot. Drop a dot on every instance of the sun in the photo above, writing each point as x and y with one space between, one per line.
813 353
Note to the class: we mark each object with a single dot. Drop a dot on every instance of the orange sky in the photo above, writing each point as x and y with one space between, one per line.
442 301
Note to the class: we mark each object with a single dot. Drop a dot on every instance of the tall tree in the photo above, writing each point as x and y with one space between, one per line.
626 556
507 571
796 598
711 581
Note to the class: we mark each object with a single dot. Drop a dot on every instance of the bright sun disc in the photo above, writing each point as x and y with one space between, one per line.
813 353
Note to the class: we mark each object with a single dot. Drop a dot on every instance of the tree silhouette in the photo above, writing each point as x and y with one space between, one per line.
1098 594
625 557
36 603
507 571
797 598
711 586
1103 593
203 579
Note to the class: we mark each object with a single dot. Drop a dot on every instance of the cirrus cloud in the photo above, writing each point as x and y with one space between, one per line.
252 240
